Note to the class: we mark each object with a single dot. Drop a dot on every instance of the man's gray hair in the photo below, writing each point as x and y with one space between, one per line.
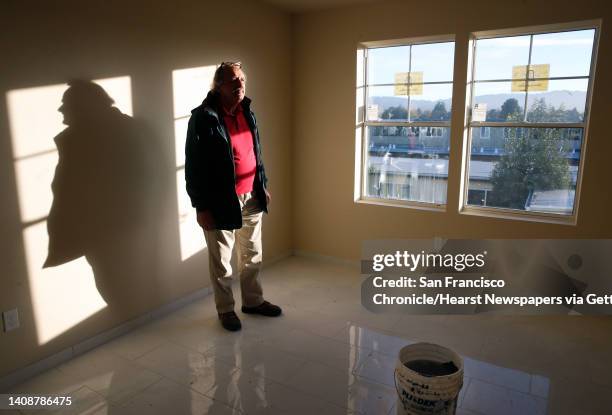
218 78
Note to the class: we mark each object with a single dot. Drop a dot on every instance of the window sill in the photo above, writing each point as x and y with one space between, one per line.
432 207
499 213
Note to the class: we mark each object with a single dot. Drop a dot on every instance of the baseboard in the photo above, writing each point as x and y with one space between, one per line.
56 359
34 369
329 259
277 258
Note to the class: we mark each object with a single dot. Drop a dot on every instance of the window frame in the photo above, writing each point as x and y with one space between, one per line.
362 122
506 213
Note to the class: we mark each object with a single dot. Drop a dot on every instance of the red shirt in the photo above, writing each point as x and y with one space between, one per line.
241 138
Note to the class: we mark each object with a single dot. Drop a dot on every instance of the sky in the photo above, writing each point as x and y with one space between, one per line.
567 53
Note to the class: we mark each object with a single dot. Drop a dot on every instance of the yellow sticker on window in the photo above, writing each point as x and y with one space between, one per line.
534 83
415 79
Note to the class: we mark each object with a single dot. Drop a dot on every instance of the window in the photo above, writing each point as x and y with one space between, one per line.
404 94
436 132
485 132
529 98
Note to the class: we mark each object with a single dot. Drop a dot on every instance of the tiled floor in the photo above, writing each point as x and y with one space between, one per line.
328 355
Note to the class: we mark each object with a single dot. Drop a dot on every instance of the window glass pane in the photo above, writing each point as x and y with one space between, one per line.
477 197
501 103
528 169
495 58
433 102
383 104
407 163
434 60
567 53
563 101
384 63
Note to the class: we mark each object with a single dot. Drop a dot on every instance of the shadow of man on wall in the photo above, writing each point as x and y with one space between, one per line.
104 204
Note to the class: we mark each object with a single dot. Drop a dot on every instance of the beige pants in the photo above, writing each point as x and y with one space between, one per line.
220 246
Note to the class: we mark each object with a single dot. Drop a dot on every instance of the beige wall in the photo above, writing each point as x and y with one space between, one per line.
326 220
140 264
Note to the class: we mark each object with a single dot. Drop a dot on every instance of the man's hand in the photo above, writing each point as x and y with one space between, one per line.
206 220
268 197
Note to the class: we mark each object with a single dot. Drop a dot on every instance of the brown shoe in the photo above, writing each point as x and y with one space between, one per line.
264 309
230 321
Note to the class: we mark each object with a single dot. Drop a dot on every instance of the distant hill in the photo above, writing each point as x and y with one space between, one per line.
386 102
571 99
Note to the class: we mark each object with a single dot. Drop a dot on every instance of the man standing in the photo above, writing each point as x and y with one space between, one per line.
226 182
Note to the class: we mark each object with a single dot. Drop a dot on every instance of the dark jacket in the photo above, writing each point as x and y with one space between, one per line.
209 164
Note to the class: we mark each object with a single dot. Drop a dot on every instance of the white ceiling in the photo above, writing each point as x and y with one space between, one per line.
300 6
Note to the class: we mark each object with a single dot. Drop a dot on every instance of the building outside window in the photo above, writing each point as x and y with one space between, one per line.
485 132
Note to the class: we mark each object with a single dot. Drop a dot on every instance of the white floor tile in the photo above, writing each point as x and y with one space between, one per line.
135 344
371 398
243 391
486 398
377 367
324 382
297 403
317 349
187 367
376 340
166 397
111 376
500 376
83 401
50 382
261 359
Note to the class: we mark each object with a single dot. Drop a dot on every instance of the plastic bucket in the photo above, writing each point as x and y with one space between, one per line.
431 395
